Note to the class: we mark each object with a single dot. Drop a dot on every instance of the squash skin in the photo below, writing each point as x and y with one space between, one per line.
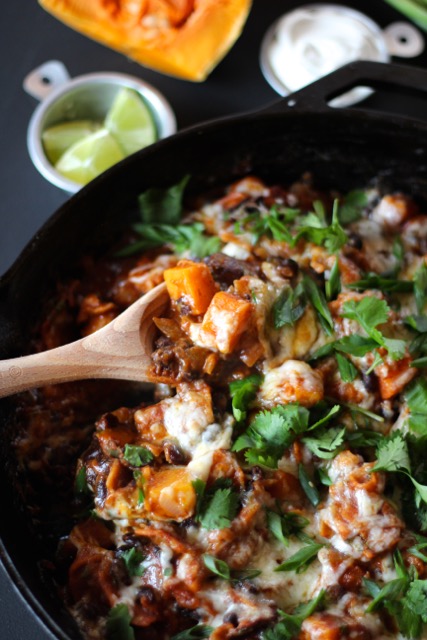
189 50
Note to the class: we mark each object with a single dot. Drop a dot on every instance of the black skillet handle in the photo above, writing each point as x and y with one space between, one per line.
410 81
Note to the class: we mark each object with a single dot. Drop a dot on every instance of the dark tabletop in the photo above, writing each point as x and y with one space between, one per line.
30 37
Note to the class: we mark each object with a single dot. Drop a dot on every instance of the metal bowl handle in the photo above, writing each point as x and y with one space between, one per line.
377 75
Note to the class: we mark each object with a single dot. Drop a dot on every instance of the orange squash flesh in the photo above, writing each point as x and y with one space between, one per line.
183 38
193 283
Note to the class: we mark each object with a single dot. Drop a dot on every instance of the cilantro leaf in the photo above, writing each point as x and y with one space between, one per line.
355 345
300 560
392 454
348 371
416 598
198 632
273 223
183 238
118 625
416 399
133 559
220 510
242 393
271 432
137 456
332 237
162 205
327 443
370 312
289 307
351 206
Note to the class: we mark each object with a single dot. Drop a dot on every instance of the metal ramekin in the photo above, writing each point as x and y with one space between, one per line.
85 97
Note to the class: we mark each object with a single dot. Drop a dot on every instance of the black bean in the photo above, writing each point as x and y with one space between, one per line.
370 381
287 268
173 454
231 618
355 241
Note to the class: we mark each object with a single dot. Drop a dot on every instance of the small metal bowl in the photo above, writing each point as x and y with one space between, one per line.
86 97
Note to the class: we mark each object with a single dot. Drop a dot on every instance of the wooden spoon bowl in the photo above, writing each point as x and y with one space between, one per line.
120 350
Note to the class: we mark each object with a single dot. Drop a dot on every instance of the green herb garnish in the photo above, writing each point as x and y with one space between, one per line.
242 393
301 559
198 632
118 625
137 456
289 306
133 559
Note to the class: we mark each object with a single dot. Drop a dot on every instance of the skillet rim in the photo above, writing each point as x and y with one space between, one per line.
307 102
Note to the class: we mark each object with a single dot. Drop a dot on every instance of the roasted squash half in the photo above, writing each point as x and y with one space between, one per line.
183 38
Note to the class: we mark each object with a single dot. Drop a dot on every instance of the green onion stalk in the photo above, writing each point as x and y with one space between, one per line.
415 10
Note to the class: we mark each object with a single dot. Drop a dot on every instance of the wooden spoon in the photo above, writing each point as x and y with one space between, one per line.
122 350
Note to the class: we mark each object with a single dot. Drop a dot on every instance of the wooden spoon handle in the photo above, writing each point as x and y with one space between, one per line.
120 350
39 369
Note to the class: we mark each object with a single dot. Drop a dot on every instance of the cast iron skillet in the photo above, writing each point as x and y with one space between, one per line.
342 148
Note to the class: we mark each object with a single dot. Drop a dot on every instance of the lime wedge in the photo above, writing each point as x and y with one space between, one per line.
130 121
57 139
89 157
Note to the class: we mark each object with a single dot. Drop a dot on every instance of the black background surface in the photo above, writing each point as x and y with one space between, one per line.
29 37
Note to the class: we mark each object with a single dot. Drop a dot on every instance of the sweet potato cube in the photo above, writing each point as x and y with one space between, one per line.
227 317
192 283
170 495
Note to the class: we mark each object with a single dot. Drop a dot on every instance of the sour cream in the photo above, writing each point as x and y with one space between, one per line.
312 41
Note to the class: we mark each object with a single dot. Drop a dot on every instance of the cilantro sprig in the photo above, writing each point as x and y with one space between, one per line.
313 226
370 312
316 230
326 443
160 211
272 432
137 456
289 625
393 456
404 598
